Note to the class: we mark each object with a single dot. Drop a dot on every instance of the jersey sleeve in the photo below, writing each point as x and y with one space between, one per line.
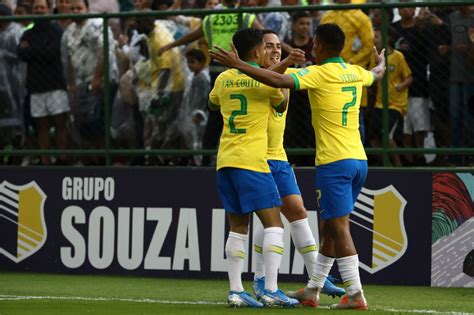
214 102
276 98
306 78
367 77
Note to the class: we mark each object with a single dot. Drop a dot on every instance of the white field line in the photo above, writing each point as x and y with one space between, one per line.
158 301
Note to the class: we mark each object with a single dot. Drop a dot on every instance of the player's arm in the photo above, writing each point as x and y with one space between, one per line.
213 103
296 56
379 70
283 105
231 59
406 76
186 39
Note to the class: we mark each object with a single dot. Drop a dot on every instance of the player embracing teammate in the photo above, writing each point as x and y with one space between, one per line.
334 90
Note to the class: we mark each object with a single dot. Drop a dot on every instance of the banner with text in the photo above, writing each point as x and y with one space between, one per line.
169 222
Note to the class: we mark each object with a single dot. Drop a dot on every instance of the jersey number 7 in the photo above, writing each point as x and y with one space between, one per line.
347 105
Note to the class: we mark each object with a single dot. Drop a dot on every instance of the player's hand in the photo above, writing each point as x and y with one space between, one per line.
226 58
379 70
379 58
398 87
296 56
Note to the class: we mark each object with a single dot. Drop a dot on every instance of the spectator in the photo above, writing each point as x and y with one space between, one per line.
62 7
377 19
300 130
82 51
216 34
301 36
436 26
279 22
462 80
12 77
21 9
197 95
411 40
357 27
399 79
167 78
40 48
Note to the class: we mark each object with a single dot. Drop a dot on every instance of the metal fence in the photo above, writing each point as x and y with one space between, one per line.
108 88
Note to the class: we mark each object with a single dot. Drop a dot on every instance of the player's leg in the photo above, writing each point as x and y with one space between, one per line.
256 192
272 254
334 183
259 274
347 258
235 245
295 212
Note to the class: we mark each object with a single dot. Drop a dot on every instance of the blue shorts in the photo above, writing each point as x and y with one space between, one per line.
284 177
337 186
243 191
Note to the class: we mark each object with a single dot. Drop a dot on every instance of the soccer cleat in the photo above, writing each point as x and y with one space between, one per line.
306 296
355 302
330 289
242 299
258 287
277 299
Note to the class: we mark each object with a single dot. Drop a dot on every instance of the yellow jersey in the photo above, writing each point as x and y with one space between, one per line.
334 91
246 106
276 131
171 60
398 70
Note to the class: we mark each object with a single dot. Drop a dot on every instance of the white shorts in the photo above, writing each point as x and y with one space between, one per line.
49 103
418 115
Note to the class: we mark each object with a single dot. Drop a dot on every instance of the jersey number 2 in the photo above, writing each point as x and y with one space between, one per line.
242 111
346 107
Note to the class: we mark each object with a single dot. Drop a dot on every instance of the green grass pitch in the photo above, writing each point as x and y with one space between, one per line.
37 294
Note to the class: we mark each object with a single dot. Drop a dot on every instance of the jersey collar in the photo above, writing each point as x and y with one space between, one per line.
333 60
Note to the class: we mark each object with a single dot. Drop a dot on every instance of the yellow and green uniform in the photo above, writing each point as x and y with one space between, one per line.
276 130
398 70
171 60
334 91
219 28
246 105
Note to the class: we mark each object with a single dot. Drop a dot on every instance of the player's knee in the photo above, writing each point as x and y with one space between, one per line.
295 213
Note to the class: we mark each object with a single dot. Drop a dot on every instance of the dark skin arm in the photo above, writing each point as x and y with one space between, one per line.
186 39
296 56
231 59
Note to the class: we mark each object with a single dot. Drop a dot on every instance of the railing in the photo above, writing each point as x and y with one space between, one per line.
108 151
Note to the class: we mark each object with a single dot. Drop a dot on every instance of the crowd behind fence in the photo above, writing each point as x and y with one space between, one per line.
73 92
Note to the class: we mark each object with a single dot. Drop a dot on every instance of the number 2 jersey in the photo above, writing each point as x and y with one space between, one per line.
246 105
334 91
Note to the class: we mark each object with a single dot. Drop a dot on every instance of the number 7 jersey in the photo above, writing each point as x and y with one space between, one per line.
334 91
246 105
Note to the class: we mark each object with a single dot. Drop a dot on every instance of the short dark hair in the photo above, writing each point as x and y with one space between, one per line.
196 54
331 37
245 40
300 14
391 35
265 32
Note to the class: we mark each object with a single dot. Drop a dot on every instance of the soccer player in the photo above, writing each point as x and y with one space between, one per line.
334 89
293 207
244 181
